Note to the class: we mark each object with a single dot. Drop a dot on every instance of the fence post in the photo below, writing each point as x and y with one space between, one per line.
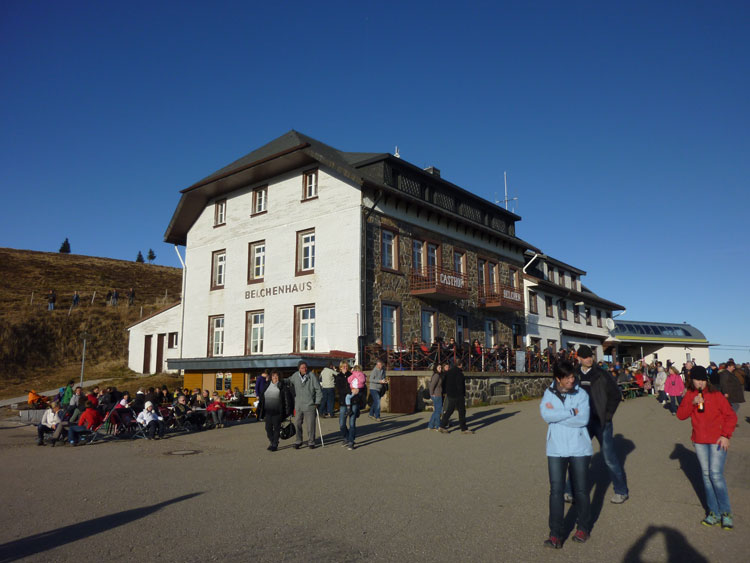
32 298
93 297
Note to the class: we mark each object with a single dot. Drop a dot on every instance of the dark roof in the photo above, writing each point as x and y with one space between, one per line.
647 331
554 261
294 150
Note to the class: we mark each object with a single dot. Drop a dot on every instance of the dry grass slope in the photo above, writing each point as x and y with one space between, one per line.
33 339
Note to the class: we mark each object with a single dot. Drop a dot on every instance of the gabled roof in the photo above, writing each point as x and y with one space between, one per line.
294 150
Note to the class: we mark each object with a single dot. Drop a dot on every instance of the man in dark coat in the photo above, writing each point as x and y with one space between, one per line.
730 385
604 397
454 387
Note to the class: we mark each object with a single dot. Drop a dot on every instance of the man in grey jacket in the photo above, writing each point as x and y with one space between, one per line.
377 379
307 396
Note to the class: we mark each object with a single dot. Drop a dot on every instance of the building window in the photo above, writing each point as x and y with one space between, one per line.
588 316
310 184
459 262
513 278
599 319
256 261
172 340
432 259
388 249
564 276
577 314
417 264
533 305
218 269
304 318
574 282
429 325
390 330
220 213
480 273
563 310
255 332
492 275
260 200
490 333
462 324
305 252
548 303
216 335
551 346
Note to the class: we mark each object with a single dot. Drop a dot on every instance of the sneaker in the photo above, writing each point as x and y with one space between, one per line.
567 497
443 430
297 446
311 446
350 447
711 520
726 521
618 499
378 420
554 542
467 431
345 444
581 536
270 448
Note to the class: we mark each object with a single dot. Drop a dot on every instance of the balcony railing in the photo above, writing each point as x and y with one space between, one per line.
415 357
439 283
500 297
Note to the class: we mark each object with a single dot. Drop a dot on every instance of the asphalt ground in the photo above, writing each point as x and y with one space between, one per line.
404 494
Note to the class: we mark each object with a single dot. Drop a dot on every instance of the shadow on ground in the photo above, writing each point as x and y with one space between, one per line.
692 470
678 548
39 543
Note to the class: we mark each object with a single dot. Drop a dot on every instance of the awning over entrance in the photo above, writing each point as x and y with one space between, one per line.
279 361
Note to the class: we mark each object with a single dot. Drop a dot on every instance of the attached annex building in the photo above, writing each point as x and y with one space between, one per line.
299 250
677 342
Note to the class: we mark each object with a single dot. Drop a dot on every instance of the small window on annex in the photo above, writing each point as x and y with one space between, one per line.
260 200
220 213
310 184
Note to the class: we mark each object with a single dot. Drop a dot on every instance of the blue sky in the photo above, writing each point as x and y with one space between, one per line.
623 126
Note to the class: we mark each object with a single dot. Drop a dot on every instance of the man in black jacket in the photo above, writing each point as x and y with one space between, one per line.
454 387
604 397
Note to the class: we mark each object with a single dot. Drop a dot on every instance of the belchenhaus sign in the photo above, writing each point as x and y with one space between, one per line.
278 290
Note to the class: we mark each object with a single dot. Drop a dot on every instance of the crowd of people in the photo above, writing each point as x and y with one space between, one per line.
580 404
149 412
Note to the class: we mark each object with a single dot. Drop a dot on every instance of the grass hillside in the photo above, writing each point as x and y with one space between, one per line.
34 341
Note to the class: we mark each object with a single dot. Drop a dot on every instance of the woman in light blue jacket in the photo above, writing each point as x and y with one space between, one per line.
565 408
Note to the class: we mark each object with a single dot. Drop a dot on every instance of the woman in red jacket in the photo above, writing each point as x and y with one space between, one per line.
713 423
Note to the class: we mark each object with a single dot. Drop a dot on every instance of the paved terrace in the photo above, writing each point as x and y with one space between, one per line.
405 494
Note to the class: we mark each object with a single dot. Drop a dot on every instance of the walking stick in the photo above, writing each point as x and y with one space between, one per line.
320 430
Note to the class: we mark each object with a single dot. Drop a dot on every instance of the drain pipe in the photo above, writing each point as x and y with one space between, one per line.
536 255
182 308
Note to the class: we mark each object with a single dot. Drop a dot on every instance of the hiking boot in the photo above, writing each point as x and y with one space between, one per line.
554 542
581 536
711 520
726 521
618 499
567 497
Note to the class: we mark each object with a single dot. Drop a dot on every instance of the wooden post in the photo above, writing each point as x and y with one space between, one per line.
93 297
32 298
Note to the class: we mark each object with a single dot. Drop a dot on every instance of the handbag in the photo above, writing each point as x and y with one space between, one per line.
287 430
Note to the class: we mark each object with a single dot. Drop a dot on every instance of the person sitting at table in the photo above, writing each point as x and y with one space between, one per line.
216 409
183 413
150 419
197 400
124 403
165 397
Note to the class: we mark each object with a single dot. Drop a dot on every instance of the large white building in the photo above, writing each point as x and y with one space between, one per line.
561 312
298 250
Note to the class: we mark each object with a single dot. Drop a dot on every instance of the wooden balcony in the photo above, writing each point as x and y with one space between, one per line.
439 283
500 297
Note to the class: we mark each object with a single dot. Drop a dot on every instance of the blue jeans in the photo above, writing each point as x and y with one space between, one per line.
349 434
326 406
73 432
579 469
616 471
437 403
375 408
712 459
674 402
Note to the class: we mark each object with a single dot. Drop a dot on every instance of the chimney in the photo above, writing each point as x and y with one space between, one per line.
432 170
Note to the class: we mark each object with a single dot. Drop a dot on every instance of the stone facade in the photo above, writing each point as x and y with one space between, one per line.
392 287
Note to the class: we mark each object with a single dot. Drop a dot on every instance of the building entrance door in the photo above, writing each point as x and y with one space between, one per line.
147 354
160 353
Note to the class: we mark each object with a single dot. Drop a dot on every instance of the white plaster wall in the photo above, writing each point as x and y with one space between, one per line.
678 354
334 287
163 323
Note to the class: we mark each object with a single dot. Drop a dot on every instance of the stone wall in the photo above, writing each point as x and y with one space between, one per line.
483 389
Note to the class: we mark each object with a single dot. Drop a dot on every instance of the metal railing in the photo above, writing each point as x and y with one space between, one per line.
443 281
